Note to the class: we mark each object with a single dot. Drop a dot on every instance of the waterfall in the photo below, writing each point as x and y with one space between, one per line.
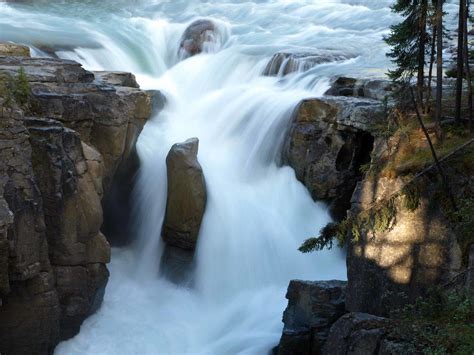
257 213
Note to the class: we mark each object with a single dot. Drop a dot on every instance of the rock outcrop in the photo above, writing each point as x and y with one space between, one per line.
58 155
420 250
283 63
195 37
361 333
329 139
186 196
377 89
312 309
14 50
185 208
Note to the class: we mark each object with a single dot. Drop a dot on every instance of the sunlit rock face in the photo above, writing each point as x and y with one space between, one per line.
328 141
419 251
53 255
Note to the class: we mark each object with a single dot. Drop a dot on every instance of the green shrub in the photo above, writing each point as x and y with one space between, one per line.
21 89
439 323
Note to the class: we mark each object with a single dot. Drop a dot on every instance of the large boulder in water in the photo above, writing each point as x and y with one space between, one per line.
186 196
195 36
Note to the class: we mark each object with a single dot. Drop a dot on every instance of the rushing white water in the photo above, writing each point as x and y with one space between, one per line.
257 213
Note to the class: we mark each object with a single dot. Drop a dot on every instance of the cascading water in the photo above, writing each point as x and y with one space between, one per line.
257 212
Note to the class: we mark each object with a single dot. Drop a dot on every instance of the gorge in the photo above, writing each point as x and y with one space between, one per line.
205 141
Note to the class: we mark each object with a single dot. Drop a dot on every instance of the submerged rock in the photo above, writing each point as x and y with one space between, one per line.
282 63
312 309
195 37
186 196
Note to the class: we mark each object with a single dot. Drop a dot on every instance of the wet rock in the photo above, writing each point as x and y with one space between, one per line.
282 63
376 89
312 309
81 291
177 265
13 49
329 139
186 196
195 37
118 203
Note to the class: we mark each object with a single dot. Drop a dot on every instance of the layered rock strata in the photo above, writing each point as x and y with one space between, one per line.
59 153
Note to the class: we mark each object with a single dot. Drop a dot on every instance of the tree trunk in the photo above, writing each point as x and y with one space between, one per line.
460 59
439 61
432 60
433 153
421 50
467 67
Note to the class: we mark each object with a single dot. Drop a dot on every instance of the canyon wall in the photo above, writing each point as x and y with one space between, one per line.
64 134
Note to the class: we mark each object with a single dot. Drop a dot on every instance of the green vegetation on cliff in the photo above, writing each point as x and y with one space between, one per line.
15 90
440 323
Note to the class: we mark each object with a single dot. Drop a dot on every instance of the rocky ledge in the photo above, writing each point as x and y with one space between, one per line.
60 150
340 150
329 139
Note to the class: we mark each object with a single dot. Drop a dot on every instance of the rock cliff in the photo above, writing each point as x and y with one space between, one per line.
59 153
329 140
403 240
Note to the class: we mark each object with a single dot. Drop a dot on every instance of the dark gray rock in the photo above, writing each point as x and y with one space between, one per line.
312 309
377 89
177 265
282 63
357 334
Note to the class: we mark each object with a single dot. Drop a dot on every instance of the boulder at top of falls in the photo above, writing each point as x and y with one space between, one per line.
194 37
186 196
377 89
282 63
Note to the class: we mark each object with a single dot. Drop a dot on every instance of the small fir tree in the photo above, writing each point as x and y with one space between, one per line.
408 40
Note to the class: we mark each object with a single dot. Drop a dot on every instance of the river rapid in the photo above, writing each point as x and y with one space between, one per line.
257 213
